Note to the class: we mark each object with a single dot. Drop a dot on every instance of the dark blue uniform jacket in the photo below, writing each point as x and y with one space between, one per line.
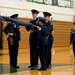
42 36
12 28
72 37
50 29
33 34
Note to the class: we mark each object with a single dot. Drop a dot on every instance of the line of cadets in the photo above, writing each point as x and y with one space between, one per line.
40 40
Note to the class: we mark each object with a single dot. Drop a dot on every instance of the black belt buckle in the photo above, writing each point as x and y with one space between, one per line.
45 37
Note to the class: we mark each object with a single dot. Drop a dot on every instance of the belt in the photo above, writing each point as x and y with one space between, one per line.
45 37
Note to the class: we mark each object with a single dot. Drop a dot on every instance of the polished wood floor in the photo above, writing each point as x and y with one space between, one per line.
62 63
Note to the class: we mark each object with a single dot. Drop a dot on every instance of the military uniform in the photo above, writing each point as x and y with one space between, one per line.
50 38
13 41
72 40
33 41
42 43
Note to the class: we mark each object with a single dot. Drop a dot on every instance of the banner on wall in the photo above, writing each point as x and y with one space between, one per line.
64 3
54 2
48 1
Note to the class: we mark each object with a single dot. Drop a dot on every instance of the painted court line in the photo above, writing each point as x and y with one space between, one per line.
36 70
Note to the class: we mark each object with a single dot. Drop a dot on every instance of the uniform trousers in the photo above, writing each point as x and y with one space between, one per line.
74 49
43 56
49 54
33 53
13 53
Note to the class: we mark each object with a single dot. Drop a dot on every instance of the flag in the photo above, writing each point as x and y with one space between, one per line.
1 18
17 21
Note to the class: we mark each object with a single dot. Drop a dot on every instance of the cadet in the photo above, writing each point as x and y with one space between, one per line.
12 31
72 40
33 40
42 42
50 37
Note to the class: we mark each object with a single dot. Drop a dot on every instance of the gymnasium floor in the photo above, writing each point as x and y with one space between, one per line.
62 63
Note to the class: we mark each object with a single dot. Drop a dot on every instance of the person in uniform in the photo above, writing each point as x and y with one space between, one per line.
42 42
50 37
72 40
13 33
33 40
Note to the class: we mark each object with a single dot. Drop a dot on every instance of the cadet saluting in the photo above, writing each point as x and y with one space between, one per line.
50 37
33 40
12 30
72 40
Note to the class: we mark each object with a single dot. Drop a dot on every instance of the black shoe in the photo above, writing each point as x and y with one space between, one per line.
14 66
48 67
41 69
17 67
30 66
